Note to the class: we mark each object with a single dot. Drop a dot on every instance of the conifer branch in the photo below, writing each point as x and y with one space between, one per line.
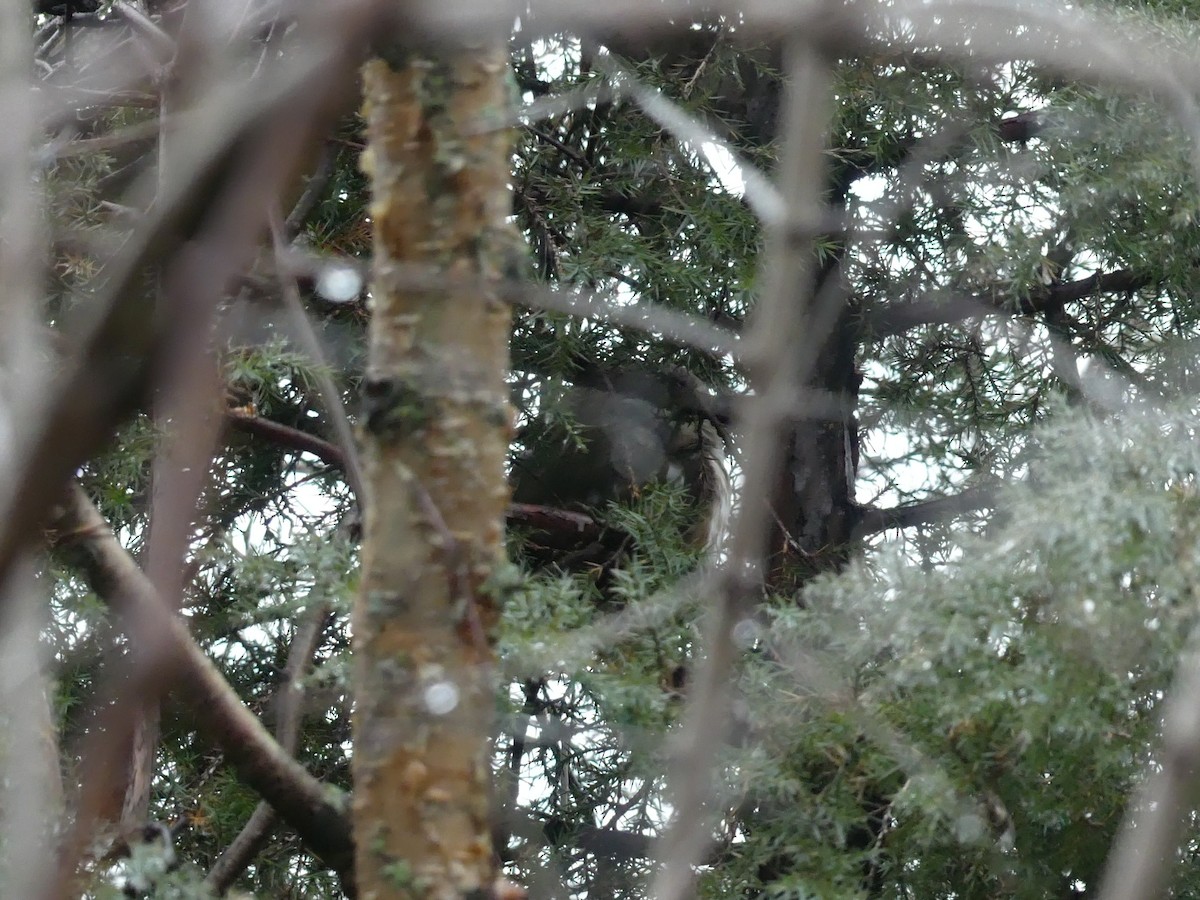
288 437
854 164
310 807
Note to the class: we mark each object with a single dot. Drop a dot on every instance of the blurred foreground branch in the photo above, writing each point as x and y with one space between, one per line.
314 810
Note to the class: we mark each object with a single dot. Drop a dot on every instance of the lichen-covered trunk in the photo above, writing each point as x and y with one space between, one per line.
436 429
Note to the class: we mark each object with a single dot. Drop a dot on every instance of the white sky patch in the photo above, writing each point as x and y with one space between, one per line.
869 189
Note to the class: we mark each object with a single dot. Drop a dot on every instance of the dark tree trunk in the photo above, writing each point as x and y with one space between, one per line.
813 503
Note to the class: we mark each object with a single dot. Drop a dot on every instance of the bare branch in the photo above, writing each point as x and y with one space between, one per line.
1143 859
925 512
161 42
303 802
30 783
1000 299
314 189
330 395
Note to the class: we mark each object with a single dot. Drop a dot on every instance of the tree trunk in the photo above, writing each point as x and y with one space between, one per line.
813 502
436 429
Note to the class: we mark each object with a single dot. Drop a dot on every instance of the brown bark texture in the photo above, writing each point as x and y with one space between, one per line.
436 427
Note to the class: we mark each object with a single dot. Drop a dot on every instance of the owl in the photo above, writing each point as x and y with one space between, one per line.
621 432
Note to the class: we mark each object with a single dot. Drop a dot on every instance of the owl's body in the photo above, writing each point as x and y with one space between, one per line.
625 435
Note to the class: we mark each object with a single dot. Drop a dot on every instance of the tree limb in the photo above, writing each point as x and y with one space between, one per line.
924 512
103 381
287 436
788 314
997 299
313 809
564 527
1142 862
854 164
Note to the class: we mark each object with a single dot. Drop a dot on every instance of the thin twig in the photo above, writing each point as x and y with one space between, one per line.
159 40
331 397
289 699
314 189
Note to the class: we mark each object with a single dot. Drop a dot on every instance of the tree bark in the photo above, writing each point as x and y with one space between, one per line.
437 425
